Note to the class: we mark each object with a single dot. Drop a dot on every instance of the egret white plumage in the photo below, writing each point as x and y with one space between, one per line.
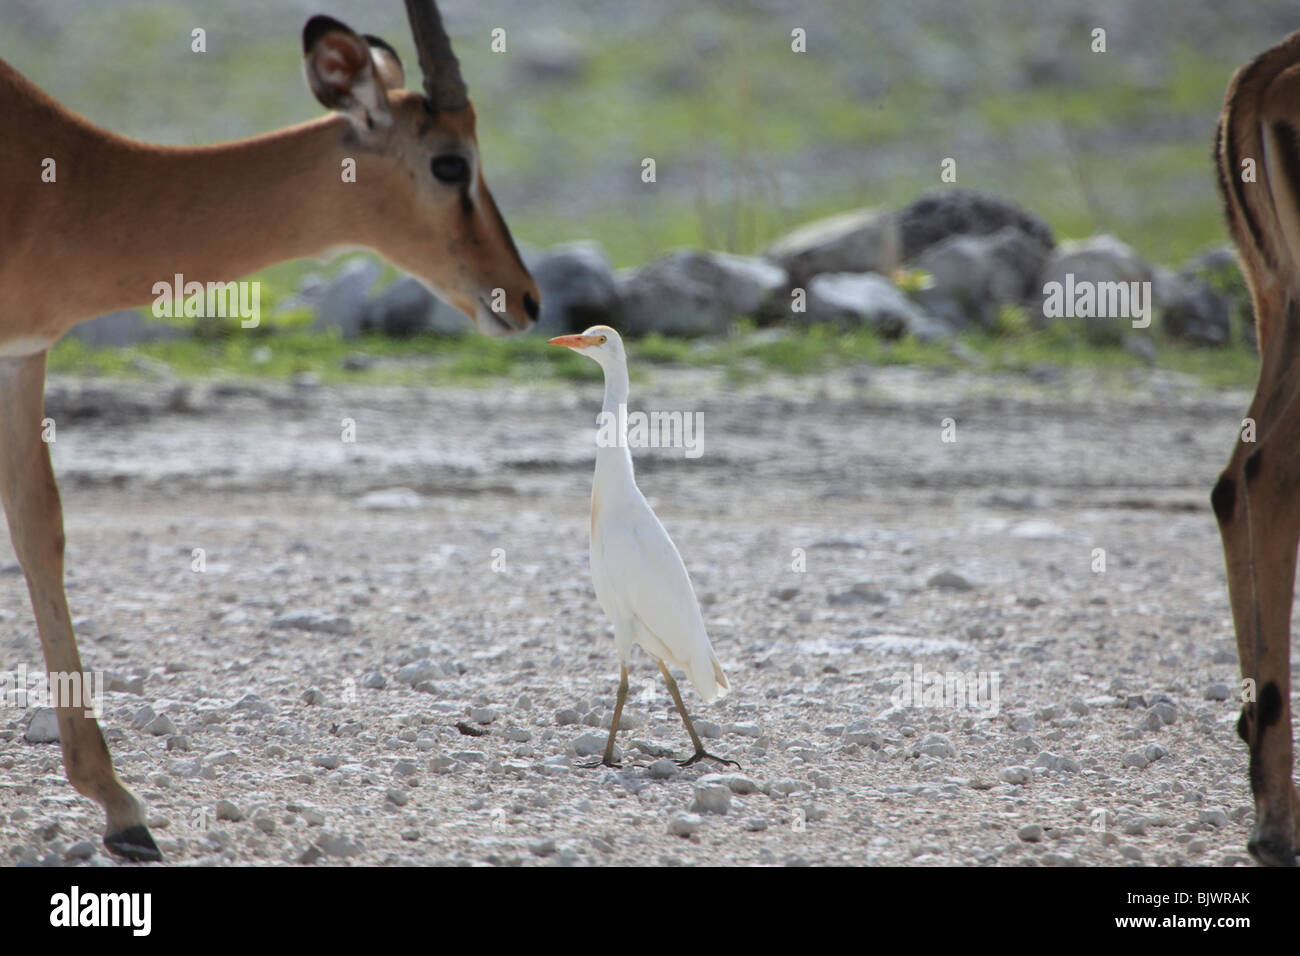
641 581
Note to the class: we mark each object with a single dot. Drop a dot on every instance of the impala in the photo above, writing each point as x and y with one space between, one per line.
117 216
1255 500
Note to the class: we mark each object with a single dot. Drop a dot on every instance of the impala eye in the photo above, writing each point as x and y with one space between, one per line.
451 169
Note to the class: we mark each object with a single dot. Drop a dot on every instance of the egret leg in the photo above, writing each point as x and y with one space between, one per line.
700 752
609 760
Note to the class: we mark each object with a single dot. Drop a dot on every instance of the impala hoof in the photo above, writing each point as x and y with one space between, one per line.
1271 852
135 844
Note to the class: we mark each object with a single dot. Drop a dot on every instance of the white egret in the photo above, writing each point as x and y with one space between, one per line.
640 579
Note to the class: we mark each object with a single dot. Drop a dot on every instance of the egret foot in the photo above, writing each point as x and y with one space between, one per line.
135 844
606 762
705 755
700 752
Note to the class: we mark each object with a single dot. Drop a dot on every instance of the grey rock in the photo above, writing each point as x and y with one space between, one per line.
936 745
587 745
143 717
226 810
1214 817
708 729
1133 759
314 621
160 726
972 277
544 847
1196 313
690 293
81 850
1016 775
310 854
418 672
860 593
374 681
1030 833
938 216
185 767
253 704
738 783
344 302
338 846
577 285
684 824
1218 691
864 240
949 581
712 798
125 683
129 327
407 308
1099 259
662 769
867 299
43 728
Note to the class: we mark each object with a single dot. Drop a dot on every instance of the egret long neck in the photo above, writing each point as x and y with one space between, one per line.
613 458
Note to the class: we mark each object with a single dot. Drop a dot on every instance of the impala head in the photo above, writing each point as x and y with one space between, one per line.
418 174
599 343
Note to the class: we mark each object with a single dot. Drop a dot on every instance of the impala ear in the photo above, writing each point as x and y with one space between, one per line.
342 73
386 63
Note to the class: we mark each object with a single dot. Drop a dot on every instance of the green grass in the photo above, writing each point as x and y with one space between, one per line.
747 355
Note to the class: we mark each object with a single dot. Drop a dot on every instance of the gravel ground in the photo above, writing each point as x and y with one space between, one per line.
363 677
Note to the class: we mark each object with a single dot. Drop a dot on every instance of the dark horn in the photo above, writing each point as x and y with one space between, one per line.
443 86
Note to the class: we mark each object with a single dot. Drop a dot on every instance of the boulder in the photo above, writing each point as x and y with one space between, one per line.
872 300
577 285
407 308
975 275
1220 270
1096 260
1197 314
690 293
864 240
343 303
129 327
964 212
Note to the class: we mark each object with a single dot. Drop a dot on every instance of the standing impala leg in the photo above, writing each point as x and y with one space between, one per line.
1272 476
1236 499
31 503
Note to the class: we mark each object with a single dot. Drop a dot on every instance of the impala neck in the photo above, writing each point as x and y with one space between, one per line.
215 213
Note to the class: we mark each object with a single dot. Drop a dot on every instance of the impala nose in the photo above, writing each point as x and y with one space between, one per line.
531 306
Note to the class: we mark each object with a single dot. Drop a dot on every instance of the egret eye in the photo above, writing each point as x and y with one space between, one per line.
451 169
603 340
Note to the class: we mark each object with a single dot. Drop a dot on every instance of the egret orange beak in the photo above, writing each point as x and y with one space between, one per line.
577 341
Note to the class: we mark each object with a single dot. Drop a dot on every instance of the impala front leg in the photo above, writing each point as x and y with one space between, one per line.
31 503
1272 474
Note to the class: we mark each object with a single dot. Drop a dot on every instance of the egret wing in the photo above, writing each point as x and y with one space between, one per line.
651 583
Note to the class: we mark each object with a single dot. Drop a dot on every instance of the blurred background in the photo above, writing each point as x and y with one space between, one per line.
750 139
